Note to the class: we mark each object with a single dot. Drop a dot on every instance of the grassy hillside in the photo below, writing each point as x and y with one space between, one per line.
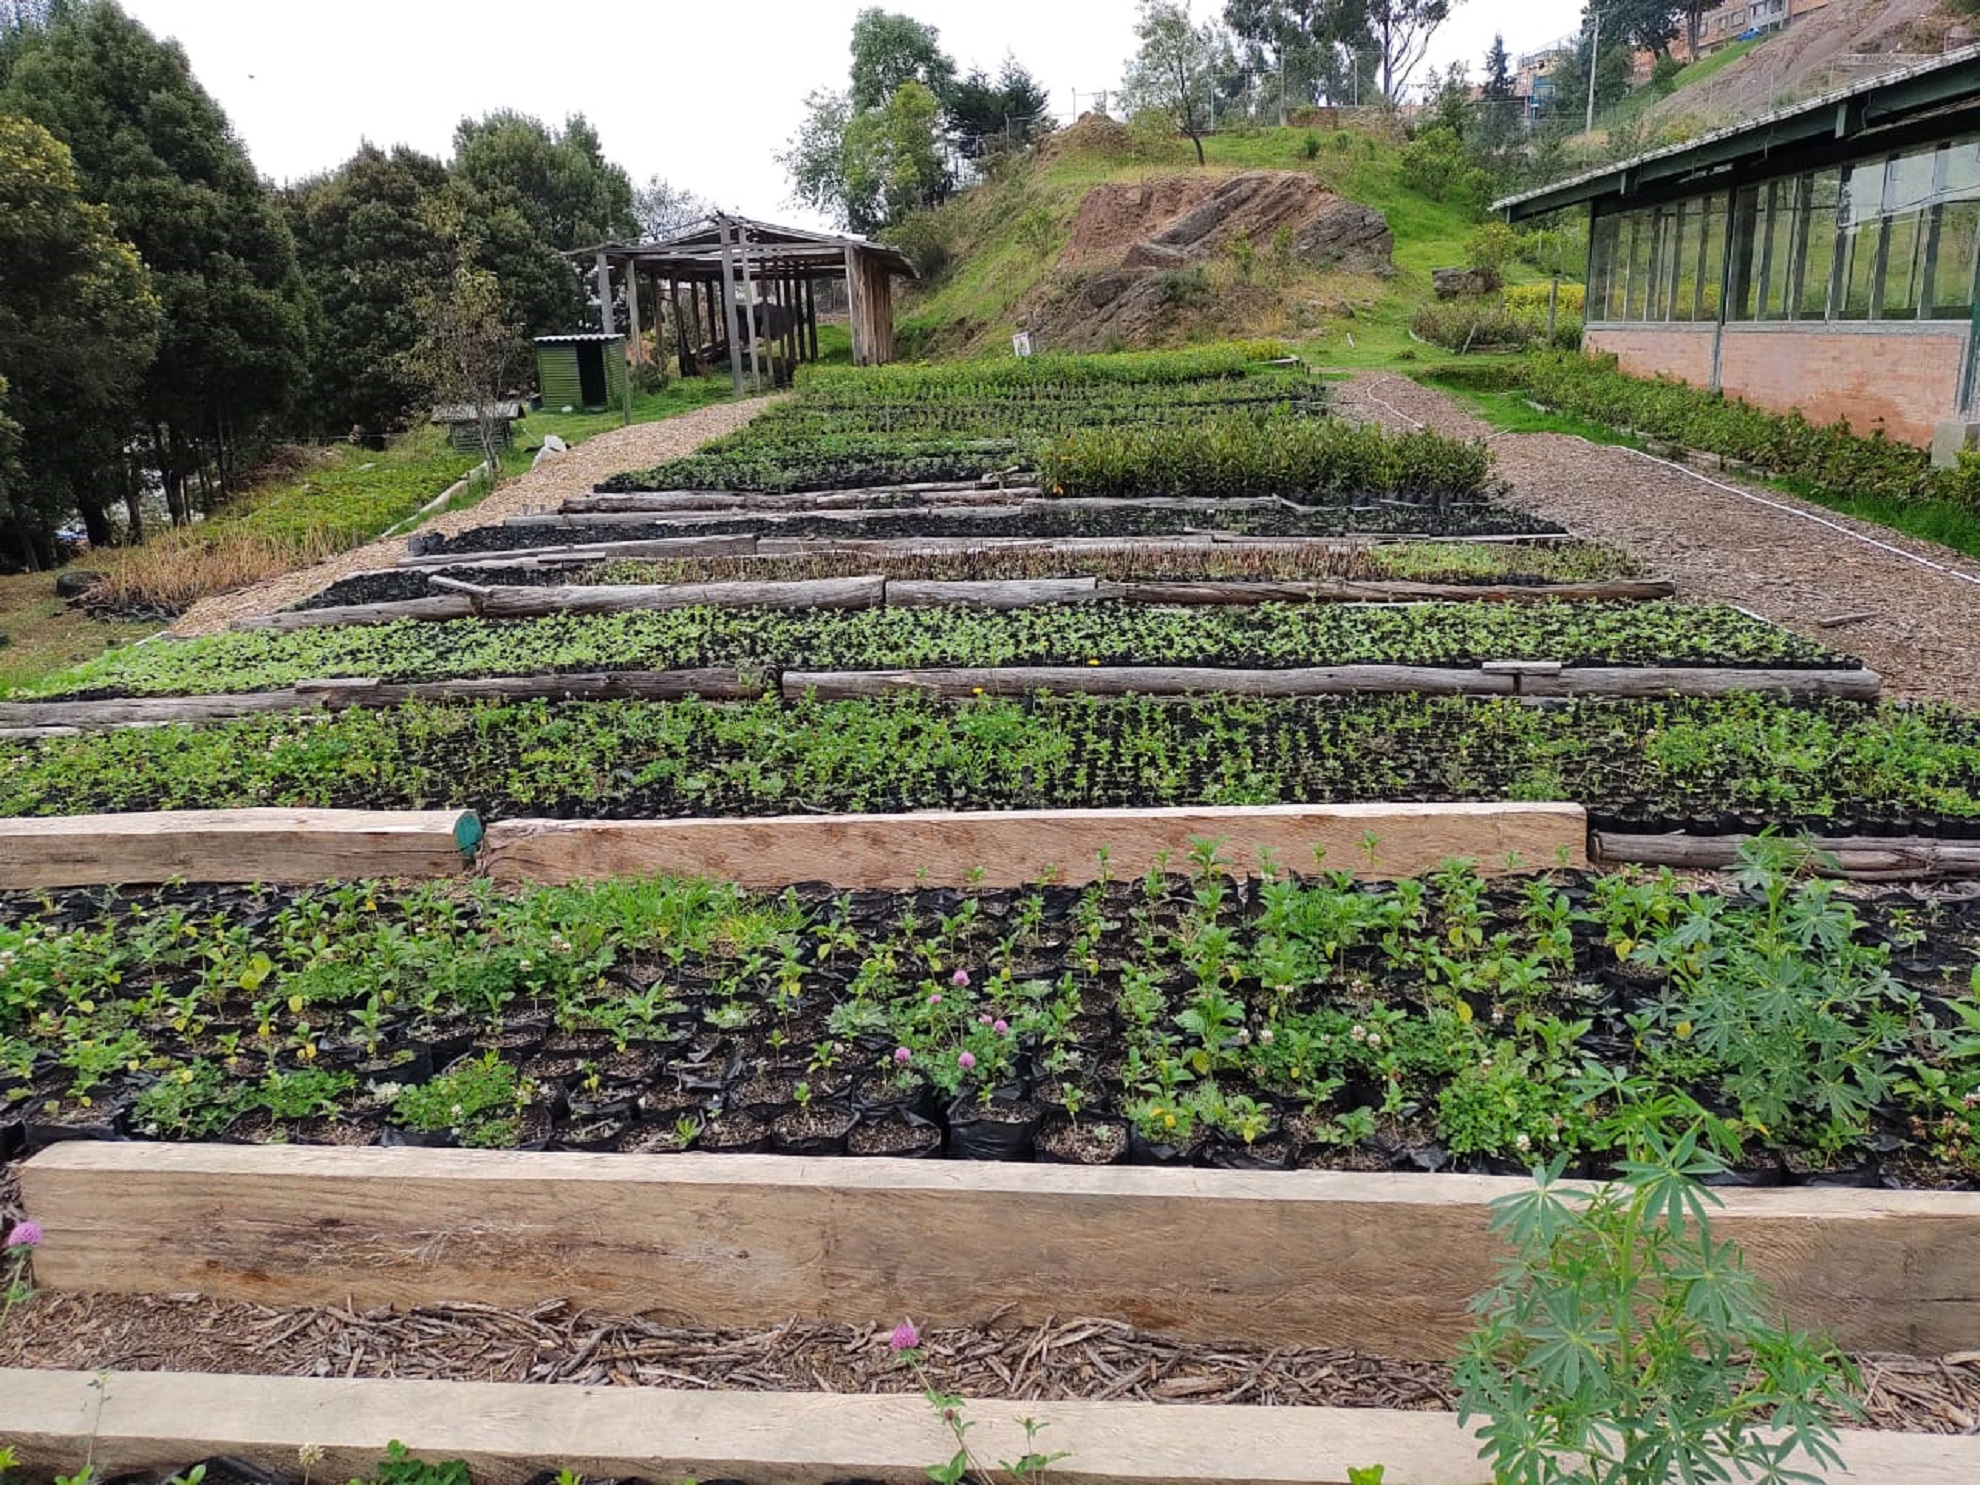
1005 237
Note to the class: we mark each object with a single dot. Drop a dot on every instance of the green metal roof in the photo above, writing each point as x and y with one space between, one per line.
1871 104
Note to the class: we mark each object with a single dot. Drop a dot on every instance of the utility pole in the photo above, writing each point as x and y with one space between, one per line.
1594 51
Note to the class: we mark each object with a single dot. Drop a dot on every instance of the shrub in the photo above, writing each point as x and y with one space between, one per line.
1493 246
928 240
1244 455
1467 327
1310 146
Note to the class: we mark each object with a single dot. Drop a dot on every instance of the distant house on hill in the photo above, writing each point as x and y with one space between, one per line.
1823 257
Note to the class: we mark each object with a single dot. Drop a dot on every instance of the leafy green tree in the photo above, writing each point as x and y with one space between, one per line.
893 162
151 144
78 323
368 253
1615 68
561 183
1652 25
983 116
1401 31
889 49
1498 81
1175 67
815 159
664 210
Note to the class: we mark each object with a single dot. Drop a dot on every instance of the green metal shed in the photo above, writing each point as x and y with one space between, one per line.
581 370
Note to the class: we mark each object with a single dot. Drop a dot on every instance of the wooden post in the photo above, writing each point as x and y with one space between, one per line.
635 343
680 327
811 313
862 348
729 305
749 312
605 294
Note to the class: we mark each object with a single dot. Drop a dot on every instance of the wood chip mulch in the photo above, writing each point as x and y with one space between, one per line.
1917 627
1084 1358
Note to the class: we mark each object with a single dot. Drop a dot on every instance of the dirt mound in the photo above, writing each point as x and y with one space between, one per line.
1138 250
1093 134
1841 44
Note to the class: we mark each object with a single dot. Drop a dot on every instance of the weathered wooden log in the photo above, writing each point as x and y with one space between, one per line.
1145 680
1860 684
952 514
735 545
809 593
1863 858
1019 480
1380 590
58 718
251 845
440 607
144 711
691 500
1015 593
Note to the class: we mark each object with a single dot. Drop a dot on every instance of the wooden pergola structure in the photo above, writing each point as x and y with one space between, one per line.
768 277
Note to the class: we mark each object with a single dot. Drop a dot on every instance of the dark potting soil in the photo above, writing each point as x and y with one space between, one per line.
739 1069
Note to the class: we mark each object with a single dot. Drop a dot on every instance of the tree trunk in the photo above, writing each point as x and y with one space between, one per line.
96 521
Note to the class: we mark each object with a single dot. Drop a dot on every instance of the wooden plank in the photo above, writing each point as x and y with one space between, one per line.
439 607
1009 848
144 711
1370 590
1147 680
1861 858
1014 593
156 1422
1384 1262
1860 684
522 602
54 718
939 496
944 515
251 845
737 545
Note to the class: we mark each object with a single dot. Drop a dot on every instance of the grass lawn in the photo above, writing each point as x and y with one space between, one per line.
321 502
44 634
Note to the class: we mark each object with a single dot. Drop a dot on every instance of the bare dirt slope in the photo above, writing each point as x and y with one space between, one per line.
639 447
1844 42
1134 244
1911 619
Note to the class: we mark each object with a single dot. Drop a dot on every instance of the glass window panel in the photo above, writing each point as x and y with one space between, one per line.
1963 170
1861 194
1953 263
1601 259
1816 245
1908 181
1656 267
1712 259
1639 266
1903 247
1687 225
1858 275
1777 256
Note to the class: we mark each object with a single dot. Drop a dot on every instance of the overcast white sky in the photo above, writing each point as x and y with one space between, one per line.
701 92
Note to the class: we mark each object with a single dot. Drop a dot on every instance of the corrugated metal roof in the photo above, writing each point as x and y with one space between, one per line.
576 337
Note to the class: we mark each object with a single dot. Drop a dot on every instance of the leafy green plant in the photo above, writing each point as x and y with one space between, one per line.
1624 1344
400 1467
476 1101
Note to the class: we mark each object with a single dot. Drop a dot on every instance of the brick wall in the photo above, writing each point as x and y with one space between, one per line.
1682 351
1905 380
1908 380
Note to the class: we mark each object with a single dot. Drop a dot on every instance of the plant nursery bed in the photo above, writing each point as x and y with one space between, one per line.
1710 766
505 1434
1451 1023
1540 648
1488 566
1388 1263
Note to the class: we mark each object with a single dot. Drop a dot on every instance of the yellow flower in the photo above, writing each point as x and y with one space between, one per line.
1168 1121
1092 662
1683 1030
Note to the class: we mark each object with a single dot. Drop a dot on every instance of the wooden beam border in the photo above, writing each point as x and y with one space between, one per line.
958 848
1385 1263
159 1422
281 846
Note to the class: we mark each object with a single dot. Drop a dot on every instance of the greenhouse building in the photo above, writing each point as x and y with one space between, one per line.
1820 258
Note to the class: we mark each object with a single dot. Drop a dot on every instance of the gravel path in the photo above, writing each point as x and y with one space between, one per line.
1917 626
638 447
